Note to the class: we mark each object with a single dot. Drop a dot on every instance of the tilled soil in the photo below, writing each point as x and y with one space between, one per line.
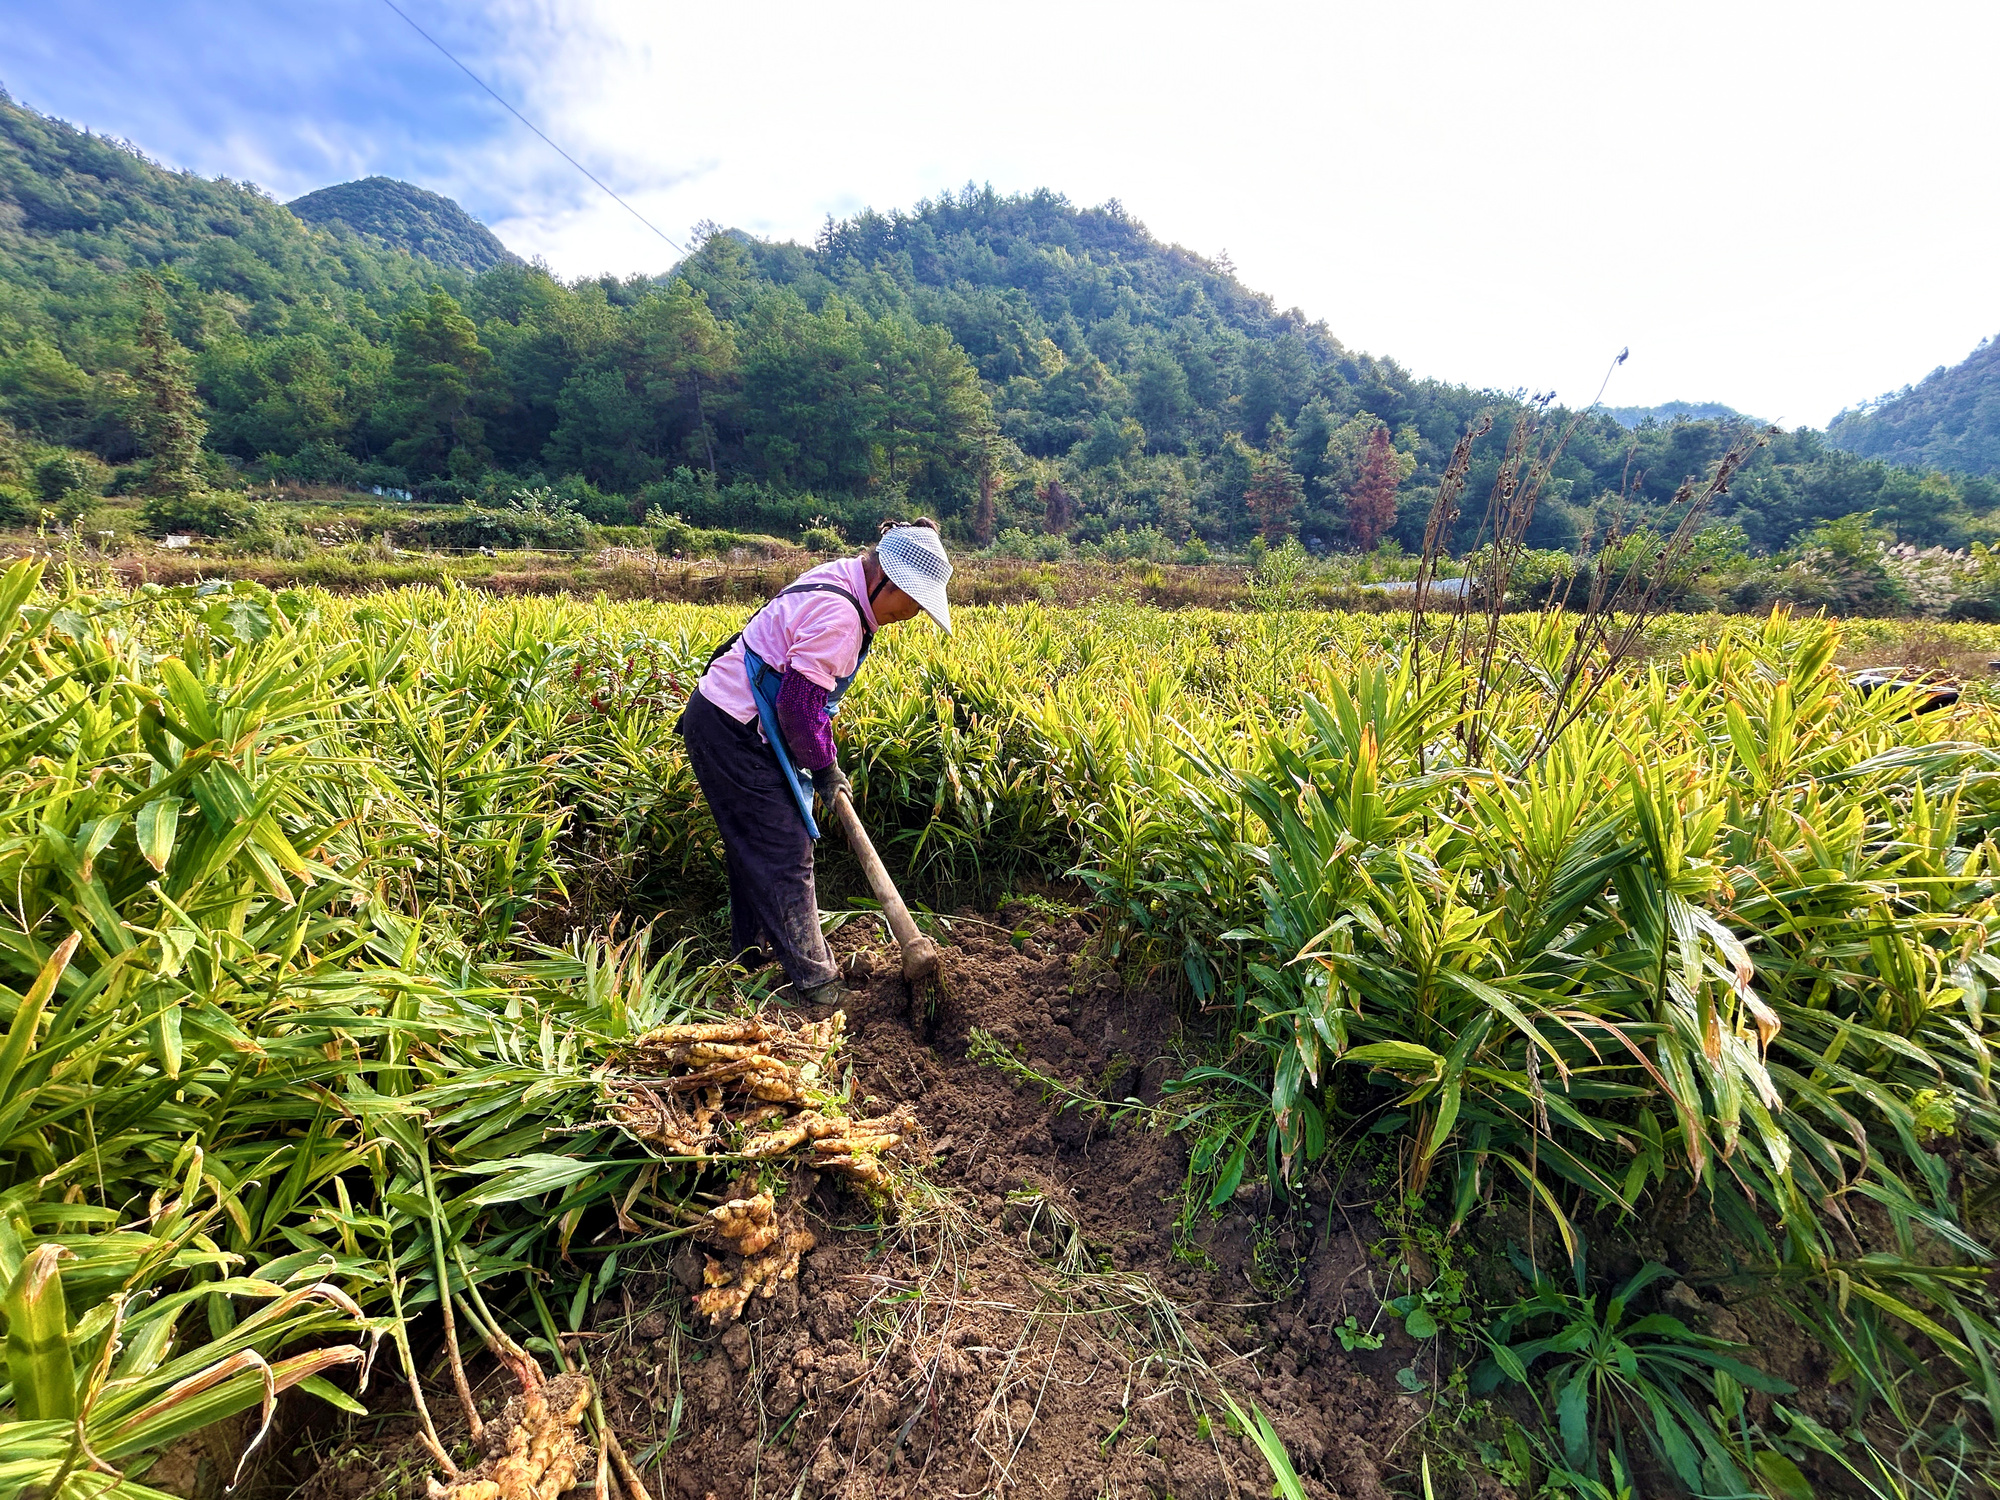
1033 1330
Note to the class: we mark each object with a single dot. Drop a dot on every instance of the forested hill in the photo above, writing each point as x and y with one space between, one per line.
1950 421
1675 411
1012 364
1152 387
80 212
409 218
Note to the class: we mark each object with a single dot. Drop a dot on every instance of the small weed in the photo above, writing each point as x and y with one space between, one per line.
1441 1303
1429 1312
1508 1460
1275 1267
1049 910
986 1049
1353 1336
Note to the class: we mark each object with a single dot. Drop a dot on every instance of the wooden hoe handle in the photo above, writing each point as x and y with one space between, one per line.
920 954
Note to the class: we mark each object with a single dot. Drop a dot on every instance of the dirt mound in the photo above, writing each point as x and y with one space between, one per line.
1032 1328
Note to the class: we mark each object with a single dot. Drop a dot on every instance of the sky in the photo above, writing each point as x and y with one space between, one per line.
1788 208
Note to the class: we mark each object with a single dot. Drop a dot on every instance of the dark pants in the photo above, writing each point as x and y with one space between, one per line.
770 857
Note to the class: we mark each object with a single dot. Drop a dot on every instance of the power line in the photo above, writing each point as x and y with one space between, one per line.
532 126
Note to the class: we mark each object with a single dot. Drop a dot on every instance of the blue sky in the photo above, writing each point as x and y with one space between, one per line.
1782 205
289 94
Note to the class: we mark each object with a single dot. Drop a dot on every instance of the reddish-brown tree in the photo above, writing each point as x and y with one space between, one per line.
985 516
1060 513
1275 491
1371 504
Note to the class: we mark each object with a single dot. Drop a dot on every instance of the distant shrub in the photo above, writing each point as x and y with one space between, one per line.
1282 575
1975 611
379 475
822 539
670 533
1195 552
599 508
212 513
66 485
1029 546
499 491
1755 593
327 468
374 550
1145 544
539 519
745 504
289 546
571 492
60 475
316 463
1841 566
1536 573
672 536
1937 580
625 536
547 518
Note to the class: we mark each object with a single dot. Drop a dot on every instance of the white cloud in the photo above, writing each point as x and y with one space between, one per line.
1785 207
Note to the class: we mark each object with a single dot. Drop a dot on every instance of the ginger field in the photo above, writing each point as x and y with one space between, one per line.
1366 1065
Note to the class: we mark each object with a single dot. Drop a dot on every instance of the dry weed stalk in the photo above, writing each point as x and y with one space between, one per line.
1437 533
919 1314
1510 508
1642 597
1526 467
922 1323
1125 1309
1640 590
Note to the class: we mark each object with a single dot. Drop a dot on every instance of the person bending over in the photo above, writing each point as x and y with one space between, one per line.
759 733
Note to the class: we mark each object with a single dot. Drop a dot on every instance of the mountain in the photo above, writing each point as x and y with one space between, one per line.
85 221
1149 383
80 212
1949 421
408 217
1010 364
1675 411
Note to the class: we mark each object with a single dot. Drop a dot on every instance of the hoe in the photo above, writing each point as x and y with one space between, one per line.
920 954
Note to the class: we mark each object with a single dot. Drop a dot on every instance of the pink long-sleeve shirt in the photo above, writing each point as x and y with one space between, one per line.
816 635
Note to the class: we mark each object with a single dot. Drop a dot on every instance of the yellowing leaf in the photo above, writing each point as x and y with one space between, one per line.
157 824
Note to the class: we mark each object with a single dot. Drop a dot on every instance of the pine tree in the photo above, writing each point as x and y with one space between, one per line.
433 386
1371 504
687 360
169 413
1275 488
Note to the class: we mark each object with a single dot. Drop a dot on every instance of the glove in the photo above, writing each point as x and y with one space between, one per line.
830 779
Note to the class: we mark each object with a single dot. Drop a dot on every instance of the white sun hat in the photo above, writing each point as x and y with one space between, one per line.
913 557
